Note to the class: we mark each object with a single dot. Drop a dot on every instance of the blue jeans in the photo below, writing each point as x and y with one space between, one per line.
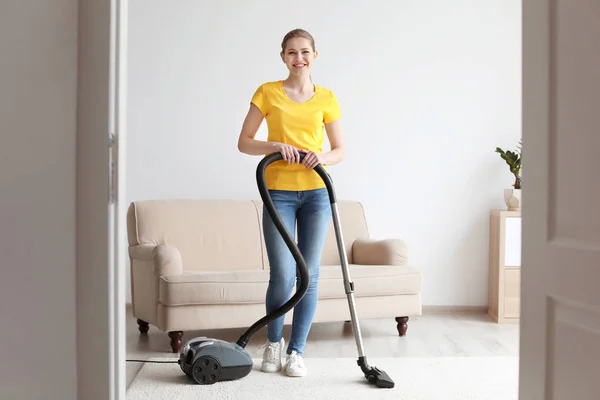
311 210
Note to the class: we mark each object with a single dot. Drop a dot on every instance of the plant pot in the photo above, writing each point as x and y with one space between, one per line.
512 198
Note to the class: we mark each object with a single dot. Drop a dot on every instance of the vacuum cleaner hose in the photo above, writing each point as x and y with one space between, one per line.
288 239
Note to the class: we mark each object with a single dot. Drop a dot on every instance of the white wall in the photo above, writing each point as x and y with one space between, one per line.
38 78
428 90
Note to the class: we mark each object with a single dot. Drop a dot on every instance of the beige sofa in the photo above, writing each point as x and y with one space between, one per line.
202 264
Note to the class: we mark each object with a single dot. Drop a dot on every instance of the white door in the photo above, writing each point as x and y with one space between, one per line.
560 325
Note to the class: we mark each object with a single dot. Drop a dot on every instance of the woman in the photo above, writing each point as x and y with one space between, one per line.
298 113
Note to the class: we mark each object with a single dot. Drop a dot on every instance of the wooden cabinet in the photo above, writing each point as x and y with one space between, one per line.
505 266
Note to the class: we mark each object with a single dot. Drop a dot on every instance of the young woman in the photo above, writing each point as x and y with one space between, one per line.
298 114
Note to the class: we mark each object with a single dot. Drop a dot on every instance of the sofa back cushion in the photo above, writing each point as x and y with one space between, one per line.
215 235
211 234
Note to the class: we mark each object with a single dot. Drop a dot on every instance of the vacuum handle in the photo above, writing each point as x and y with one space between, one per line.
287 238
277 156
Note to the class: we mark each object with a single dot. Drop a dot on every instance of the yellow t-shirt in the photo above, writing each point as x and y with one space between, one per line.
301 125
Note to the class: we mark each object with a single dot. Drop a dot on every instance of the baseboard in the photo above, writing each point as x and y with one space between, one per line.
455 309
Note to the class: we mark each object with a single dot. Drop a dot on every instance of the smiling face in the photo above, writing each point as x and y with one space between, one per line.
298 55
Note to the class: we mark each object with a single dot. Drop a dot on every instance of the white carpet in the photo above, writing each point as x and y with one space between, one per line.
443 378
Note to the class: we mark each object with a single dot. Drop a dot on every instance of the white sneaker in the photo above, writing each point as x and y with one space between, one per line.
272 356
294 365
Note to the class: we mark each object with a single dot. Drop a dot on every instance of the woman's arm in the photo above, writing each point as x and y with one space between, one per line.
246 142
336 141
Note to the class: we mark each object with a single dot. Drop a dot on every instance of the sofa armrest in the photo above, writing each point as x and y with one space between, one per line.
379 252
165 259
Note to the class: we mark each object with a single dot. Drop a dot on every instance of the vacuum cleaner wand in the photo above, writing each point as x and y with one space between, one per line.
373 374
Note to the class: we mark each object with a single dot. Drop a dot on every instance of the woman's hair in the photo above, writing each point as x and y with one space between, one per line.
297 33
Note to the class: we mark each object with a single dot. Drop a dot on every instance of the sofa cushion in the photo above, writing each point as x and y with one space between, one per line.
249 286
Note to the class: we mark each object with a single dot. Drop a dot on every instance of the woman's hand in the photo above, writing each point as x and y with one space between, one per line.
312 159
289 153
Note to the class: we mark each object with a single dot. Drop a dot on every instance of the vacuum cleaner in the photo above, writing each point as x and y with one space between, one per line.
208 360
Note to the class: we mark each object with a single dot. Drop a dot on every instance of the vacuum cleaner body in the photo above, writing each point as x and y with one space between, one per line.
208 360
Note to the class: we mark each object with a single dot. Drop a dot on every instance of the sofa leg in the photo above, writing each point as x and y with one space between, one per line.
402 325
143 326
176 342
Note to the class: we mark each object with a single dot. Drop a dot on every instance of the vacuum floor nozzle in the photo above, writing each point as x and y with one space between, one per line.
375 375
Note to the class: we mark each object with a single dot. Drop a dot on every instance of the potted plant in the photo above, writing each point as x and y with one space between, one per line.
512 195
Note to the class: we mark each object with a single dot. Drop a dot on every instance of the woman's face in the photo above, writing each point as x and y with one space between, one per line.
298 56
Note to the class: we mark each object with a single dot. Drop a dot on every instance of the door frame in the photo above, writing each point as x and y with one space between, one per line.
118 218
100 199
117 196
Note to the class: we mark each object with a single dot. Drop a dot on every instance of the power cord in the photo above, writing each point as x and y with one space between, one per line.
153 361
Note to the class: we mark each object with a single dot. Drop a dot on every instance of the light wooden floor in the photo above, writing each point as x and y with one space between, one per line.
435 334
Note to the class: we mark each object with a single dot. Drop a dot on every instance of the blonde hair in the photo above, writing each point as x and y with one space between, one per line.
297 33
